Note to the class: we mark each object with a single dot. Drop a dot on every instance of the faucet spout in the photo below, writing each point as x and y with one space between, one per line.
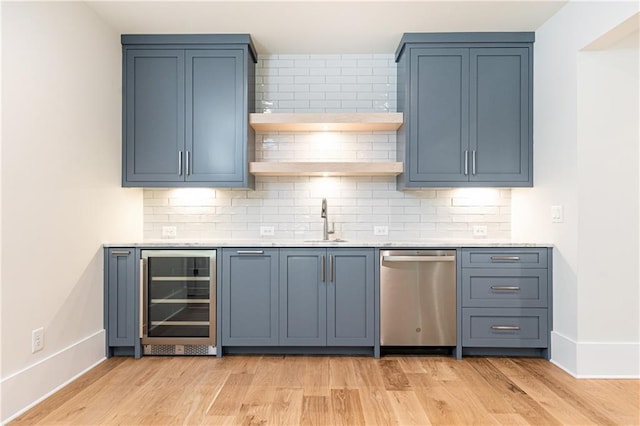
324 214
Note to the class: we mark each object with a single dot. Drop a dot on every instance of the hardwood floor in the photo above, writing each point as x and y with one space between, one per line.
318 390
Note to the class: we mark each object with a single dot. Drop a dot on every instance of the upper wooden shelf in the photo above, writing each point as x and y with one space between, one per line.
332 122
325 168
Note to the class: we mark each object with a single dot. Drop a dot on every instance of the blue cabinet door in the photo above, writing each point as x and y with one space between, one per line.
350 297
499 115
215 113
121 298
154 115
303 297
438 116
249 297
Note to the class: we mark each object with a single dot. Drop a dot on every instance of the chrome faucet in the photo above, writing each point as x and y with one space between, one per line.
324 215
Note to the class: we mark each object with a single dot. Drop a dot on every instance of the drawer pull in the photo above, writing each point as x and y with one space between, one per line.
508 258
505 327
505 288
120 252
250 252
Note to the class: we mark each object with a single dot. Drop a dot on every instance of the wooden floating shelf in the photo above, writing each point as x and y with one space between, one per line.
321 122
325 168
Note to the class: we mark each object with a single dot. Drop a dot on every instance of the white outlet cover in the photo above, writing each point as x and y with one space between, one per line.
169 231
267 231
37 340
479 231
380 230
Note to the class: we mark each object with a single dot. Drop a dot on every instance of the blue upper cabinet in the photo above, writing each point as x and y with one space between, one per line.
467 103
186 106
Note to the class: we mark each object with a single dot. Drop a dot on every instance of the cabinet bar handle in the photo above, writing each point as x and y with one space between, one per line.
179 163
141 297
505 327
473 162
120 252
331 268
466 162
322 273
505 288
418 258
250 252
513 258
189 161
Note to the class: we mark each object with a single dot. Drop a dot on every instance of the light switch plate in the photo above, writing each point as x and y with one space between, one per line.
557 214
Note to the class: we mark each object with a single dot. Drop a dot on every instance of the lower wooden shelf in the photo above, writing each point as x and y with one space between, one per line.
325 168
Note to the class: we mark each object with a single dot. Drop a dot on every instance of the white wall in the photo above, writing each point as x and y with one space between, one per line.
61 195
609 286
562 178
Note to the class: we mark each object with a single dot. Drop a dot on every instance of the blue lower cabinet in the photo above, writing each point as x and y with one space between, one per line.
506 301
326 297
121 308
250 297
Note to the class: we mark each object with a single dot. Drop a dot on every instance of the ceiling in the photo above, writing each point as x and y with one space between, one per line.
323 27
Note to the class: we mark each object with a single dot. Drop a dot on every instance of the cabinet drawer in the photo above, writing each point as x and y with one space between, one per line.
495 287
504 327
505 258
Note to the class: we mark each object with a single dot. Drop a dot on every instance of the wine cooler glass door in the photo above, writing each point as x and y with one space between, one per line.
180 297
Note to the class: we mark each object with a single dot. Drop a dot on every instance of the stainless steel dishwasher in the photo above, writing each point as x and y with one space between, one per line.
418 298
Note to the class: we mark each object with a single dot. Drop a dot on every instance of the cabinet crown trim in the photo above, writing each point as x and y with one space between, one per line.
484 37
190 39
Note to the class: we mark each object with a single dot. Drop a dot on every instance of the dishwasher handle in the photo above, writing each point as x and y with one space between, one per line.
418 258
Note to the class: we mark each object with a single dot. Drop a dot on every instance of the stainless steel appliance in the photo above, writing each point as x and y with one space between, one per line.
178 302
418 298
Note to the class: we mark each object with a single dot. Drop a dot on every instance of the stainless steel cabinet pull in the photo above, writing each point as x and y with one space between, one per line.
512 258
250 252
179 163
419 258
473 162
505 327
466 162
121 252
331 268
141 297
505 288
322 272
188 163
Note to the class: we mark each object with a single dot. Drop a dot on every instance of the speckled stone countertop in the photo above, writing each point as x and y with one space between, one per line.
178 243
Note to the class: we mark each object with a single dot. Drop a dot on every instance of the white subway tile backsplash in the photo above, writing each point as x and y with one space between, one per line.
327 83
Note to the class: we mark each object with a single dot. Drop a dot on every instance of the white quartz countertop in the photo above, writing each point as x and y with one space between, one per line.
178 243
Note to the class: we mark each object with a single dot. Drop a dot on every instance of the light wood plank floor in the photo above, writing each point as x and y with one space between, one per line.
319 390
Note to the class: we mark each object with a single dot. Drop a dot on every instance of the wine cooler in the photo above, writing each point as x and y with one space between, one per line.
178 303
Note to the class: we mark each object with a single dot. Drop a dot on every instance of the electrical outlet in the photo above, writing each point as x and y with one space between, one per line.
380 230
267 231
169 231
37 340
179 350
479 231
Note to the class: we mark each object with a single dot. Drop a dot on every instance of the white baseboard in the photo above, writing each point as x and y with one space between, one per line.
596 360
26 388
